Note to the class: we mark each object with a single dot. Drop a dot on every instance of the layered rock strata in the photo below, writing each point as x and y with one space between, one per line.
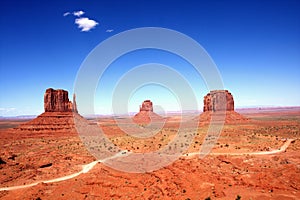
218 100
146 114
58 101
218 105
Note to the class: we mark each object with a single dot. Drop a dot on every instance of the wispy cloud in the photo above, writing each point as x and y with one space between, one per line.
78 13
109 30
75 13
85 24
66 14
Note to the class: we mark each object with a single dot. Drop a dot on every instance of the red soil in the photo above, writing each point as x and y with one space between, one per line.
27 152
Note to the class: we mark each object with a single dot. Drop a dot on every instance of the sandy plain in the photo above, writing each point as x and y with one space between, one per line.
254 159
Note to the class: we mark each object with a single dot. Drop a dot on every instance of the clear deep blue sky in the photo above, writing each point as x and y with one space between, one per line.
255 45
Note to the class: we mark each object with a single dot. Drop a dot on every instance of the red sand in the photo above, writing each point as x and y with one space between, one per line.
29 156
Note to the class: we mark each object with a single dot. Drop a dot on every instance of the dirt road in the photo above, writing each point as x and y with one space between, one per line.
86 168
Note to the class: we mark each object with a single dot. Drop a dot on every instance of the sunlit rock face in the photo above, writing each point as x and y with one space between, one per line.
146 114
146 106
218 100
58 101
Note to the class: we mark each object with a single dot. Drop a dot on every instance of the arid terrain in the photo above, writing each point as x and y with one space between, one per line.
150 100
256 158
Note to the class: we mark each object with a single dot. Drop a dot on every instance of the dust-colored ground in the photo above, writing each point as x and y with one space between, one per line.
30 155
11 123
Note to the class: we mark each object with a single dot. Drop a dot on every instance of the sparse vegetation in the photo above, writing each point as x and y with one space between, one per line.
238 197
68 154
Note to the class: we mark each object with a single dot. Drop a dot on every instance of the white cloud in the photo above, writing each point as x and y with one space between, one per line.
109 30
66 14
85 24
78 13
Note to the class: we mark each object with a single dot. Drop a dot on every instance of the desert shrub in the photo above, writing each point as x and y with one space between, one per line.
2 161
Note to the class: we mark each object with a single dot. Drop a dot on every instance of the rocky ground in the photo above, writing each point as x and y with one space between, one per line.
28 156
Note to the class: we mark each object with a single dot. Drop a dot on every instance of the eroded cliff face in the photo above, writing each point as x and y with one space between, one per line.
146 114
147 105
219 104
58 117
218 100
58 101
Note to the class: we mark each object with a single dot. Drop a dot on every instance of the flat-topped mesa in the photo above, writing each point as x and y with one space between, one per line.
58 101
218 100
146 106
146 114
59 116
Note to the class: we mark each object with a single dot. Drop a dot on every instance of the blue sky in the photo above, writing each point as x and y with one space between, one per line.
255 45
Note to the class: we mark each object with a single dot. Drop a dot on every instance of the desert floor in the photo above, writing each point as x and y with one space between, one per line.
254 159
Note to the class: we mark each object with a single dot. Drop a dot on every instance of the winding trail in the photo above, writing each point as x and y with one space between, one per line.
280 150
86 168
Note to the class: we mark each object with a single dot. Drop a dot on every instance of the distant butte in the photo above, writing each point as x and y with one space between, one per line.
219 102
146 114
146 106
58 116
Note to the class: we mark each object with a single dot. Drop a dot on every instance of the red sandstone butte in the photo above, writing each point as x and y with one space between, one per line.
146 106
146 114
58 101
58 117
217 101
